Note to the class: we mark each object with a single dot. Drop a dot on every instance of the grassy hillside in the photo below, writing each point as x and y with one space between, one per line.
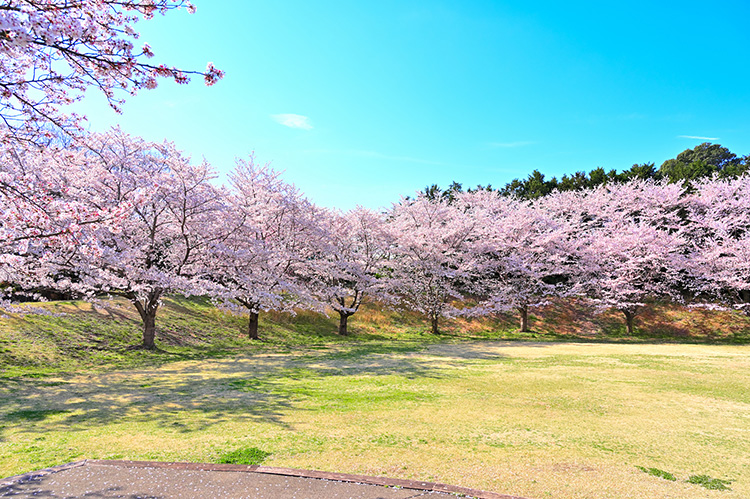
101 336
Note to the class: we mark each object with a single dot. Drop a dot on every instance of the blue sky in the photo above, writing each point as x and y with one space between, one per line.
362 102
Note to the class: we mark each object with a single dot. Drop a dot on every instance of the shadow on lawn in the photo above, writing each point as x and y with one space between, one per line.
195 396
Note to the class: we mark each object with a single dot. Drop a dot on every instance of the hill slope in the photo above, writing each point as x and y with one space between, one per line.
100 336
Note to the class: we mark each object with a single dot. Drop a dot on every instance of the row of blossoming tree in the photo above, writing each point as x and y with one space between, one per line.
117 215
114 214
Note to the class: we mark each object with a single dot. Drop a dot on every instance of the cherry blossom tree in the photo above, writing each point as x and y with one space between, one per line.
48 207
524 255
632 247
273 236
358 248
161 246
718 231
430 261
51 51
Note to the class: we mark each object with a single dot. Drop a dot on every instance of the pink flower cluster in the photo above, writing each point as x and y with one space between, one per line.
139 219
51 51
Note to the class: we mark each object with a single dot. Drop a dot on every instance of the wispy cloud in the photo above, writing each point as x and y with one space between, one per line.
698 137
293 121
506 145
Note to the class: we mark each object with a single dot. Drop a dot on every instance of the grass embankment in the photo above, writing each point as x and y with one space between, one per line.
536 419
101 336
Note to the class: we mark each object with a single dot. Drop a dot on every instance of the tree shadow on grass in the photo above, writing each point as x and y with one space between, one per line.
481 351
167 399
196 396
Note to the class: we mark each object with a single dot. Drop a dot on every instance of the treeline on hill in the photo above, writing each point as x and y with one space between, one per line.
703 161
121 216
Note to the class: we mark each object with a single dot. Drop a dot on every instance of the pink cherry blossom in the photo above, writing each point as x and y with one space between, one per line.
718 263
430 262
354 262
272 235
51 51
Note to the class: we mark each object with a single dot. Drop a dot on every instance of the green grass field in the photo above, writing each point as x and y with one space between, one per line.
478 407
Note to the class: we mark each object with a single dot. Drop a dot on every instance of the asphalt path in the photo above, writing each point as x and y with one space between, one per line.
153 480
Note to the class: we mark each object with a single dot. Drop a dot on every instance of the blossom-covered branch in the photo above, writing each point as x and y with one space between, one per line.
51 51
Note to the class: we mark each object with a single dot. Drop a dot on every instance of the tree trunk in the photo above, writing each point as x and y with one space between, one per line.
252 321
252 326
343 318
147 310
629 320
524 311
149 330
434 319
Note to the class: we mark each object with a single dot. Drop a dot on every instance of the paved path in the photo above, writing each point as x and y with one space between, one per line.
152 480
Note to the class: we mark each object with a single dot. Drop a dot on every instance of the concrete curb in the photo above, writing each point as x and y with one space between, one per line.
268 470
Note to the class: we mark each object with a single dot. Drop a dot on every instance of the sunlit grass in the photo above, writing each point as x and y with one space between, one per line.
559 420
541 419
101 336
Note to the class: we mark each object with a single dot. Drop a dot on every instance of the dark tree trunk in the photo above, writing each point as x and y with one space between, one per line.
343 319
346 311
252 321
252 326
524 311
147 310
149 330
629 320
434 323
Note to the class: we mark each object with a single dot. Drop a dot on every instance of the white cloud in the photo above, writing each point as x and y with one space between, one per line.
697 137
505 145
293 121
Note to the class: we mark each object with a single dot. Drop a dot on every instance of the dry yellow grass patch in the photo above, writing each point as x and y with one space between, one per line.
531 419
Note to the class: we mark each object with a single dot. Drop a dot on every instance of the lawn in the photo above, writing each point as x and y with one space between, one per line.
535 419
